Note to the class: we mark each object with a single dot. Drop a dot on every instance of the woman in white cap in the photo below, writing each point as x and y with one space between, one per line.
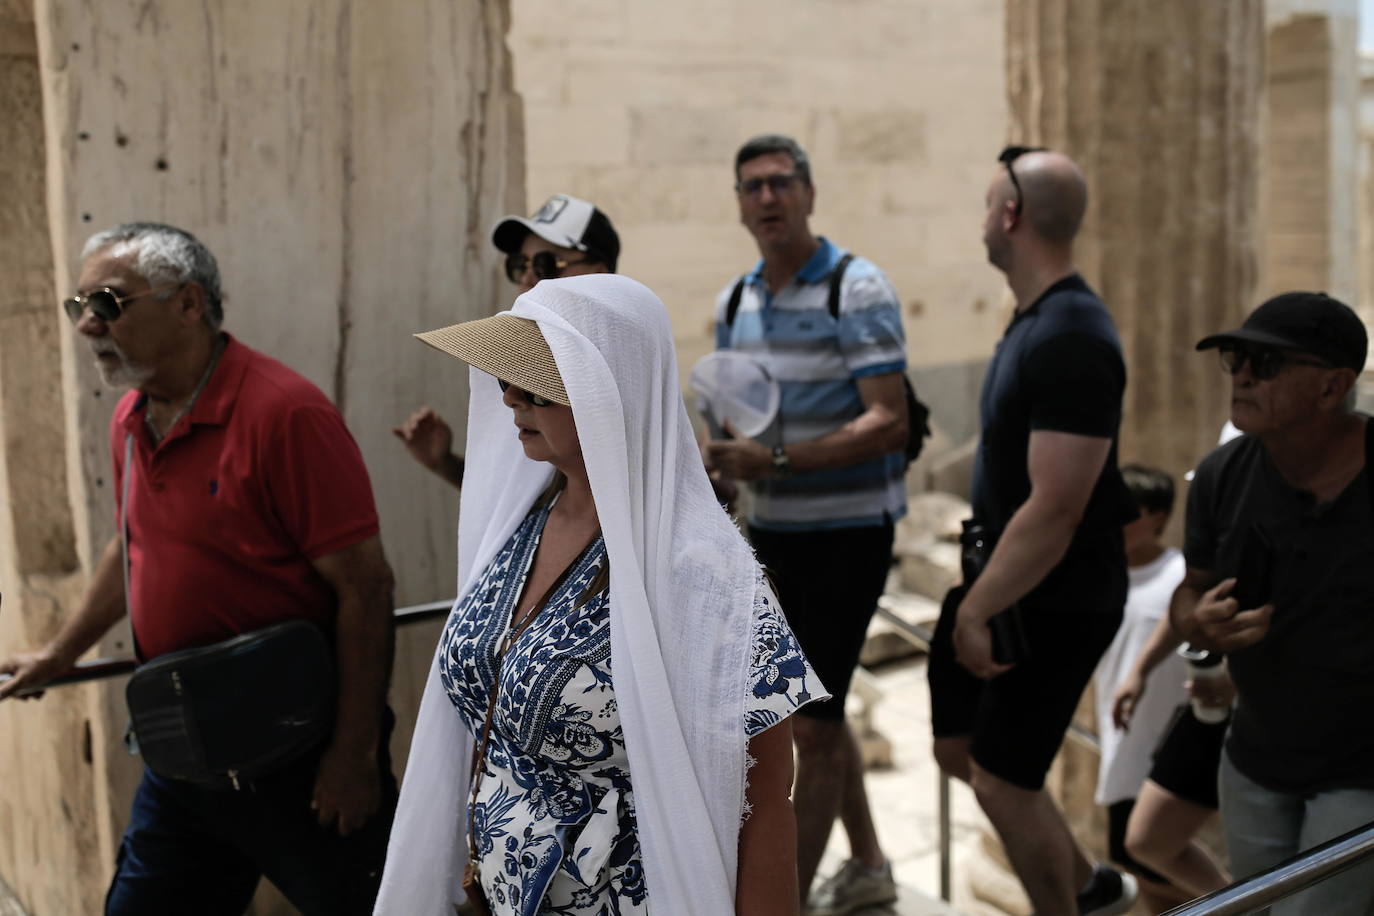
615 661
567 237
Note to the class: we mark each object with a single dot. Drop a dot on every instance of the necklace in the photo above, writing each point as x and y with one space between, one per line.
191 401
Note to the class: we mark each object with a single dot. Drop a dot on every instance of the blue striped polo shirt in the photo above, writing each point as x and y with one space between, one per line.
816 361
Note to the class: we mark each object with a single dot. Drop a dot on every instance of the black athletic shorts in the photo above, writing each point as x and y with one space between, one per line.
1188 758
828 583
1016 721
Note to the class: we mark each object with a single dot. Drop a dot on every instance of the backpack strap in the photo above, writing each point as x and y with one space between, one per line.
836 279
732 307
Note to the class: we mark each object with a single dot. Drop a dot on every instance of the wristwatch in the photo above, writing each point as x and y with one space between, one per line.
782 467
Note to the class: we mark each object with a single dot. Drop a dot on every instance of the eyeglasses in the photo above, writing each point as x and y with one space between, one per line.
1265 362
105 303
545 264
535 400
780 183
1010 155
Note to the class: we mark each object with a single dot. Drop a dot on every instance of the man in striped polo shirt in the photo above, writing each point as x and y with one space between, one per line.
826 480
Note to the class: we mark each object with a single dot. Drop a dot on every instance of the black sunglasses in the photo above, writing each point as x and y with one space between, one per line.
1265 362
545 264
105 303
1009 155
535 400
778 184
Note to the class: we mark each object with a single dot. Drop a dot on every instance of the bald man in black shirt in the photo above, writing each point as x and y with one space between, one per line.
1047 489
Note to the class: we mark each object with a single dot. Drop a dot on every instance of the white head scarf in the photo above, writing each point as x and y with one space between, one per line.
682 594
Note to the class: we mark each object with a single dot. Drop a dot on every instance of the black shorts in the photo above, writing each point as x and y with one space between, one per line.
1016 721
828 583
1118 816
1188 758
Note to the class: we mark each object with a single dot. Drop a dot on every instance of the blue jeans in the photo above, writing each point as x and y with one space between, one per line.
194 850
1264 827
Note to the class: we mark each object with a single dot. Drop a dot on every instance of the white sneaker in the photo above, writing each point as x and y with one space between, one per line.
854 886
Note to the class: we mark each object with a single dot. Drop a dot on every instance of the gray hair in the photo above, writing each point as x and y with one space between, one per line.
166 255
775 143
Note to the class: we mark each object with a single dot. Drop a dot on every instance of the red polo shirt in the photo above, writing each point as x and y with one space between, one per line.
227 512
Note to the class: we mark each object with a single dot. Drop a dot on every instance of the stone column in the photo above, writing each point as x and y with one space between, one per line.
1309 202
344 160
1159 103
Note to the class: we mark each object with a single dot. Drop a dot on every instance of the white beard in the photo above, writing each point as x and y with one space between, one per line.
123 374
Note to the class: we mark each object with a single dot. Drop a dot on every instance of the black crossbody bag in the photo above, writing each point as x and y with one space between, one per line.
223 715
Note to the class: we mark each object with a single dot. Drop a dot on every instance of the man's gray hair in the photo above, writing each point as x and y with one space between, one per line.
775 143
166 255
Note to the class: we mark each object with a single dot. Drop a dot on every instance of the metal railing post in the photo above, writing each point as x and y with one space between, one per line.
946 889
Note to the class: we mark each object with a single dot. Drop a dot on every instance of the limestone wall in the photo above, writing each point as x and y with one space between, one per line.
343 159
639 106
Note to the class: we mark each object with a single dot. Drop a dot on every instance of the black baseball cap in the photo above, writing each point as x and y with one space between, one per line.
1311 322
568 222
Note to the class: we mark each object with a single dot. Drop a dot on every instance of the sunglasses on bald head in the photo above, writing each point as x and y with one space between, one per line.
545 264
1265 362
534 400
105 303
1009 155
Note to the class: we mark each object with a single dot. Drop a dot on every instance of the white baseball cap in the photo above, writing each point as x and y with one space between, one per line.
568 222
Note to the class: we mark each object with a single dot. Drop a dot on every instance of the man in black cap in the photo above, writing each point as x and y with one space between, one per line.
1279 544
566 237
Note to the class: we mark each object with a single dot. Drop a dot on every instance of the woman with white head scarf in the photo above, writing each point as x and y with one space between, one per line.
614 656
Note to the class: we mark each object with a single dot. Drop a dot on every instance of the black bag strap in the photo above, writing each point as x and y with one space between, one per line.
832 302
836 279
732 307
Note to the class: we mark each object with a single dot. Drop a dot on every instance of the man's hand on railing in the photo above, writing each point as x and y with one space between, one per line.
30 672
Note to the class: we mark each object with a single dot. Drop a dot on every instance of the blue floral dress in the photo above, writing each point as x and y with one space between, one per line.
555 814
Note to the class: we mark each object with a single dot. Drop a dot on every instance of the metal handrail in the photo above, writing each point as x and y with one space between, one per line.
1286 878
99 668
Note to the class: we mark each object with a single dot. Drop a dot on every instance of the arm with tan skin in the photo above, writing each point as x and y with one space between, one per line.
767 883
879 430
347 784
1204 614
101 608
1162 643
430 442
1063 470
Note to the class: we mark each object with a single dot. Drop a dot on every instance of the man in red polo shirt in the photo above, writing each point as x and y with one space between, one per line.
246 504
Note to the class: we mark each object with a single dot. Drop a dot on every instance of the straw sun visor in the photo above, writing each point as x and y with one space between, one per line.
506 346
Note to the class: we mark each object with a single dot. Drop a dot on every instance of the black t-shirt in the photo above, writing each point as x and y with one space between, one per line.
1057 368
1306 689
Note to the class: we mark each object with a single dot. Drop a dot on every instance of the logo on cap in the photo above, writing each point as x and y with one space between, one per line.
551 210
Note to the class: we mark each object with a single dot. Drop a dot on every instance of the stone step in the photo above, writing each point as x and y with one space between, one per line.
910 902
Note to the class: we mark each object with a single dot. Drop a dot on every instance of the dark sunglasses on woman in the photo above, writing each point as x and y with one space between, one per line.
105 303
1265 362
534 399
545 264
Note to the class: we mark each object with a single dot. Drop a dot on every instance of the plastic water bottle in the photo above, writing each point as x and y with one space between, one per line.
1206 666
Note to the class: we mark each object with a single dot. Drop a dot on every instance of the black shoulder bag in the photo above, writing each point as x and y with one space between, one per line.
223 715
